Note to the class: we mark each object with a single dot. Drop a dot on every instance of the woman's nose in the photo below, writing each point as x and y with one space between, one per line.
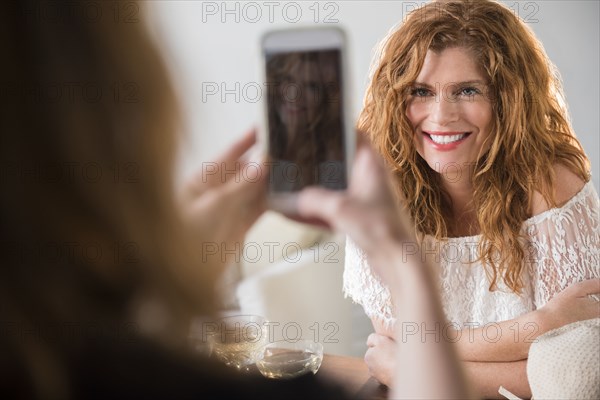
444 110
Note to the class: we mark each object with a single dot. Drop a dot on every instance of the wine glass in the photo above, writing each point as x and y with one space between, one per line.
237 340
288 359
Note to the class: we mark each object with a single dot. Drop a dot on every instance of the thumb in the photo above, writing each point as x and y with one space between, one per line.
321 204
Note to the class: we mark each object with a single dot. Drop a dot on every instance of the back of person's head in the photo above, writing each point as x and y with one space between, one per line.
89 227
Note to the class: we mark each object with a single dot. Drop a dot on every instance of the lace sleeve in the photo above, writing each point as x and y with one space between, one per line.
365 288
565 245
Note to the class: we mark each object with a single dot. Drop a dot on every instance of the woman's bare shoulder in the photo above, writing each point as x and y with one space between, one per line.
566 185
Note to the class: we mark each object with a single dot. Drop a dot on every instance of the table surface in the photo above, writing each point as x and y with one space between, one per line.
353 374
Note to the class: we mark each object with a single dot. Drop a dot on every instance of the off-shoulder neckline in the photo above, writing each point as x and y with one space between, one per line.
538 218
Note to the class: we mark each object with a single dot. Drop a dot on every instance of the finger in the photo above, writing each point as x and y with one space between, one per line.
593 307
320 204
583 288
364 145
367 358
251 174
228 164
248 192
371 340
588 308
239 147
370 178
595 298
374 339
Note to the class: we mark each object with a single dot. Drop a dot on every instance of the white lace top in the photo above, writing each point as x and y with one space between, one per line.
563 247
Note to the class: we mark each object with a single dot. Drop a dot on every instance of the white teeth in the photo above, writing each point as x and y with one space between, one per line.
445 139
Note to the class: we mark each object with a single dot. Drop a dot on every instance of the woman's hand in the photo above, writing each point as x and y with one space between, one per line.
571 305
368 211
224 199
381 357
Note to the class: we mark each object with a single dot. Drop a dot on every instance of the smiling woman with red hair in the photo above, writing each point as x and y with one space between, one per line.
469 114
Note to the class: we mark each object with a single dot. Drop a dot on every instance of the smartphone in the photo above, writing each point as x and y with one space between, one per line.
308 135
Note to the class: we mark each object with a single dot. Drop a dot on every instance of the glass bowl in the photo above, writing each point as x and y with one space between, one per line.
238 340
286 360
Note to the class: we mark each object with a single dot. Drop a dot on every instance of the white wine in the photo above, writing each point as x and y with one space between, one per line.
237 340
286 364
239 353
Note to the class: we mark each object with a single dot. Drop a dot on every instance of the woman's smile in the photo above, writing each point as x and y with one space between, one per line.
445 141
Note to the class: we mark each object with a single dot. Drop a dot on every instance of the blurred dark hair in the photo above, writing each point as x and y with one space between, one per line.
89 227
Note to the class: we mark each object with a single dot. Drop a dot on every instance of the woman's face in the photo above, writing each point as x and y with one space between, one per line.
450 111
301 92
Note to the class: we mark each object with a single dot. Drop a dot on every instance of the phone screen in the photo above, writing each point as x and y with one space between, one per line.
305 120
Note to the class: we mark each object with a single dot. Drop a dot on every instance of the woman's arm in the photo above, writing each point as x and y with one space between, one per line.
504 341
418 304
487 377
510 340
495 342
485 374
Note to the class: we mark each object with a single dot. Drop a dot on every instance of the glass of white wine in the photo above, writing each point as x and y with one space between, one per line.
286 359
237 340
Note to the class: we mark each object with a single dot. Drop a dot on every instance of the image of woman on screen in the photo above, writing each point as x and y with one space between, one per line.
305 120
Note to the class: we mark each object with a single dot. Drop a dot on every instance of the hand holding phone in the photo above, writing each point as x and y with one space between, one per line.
309 139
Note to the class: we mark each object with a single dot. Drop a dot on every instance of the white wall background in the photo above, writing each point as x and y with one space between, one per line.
216 43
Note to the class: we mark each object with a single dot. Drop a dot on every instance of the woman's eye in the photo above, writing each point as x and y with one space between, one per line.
469 91
419 92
